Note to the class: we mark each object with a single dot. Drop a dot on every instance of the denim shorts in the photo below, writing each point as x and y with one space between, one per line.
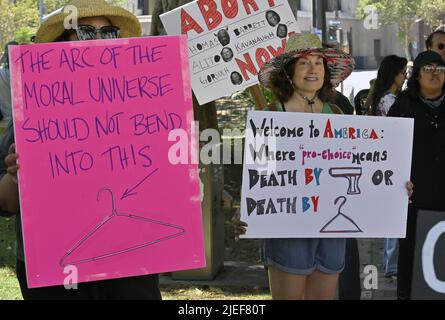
304 255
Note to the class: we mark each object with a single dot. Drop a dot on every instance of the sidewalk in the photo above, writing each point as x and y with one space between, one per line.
371 253
245 275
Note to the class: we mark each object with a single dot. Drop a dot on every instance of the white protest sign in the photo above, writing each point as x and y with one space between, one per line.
230 40
333 175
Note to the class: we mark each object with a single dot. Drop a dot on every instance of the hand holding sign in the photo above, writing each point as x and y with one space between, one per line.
11 163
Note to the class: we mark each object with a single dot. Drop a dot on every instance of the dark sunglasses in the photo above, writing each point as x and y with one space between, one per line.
87 32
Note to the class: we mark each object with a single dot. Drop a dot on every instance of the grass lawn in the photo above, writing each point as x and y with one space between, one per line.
9 286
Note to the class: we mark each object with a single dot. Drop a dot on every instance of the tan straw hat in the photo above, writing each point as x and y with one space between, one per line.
53 27
299 45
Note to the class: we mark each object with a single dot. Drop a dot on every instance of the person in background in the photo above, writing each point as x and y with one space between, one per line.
96 20
388 84
359 102
390 79
368 101
5 86
349 287
436 42
343 103
423 101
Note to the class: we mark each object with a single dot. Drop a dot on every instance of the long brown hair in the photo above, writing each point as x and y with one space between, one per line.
389 69
283 89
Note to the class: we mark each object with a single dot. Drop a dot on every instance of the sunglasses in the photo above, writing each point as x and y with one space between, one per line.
431 69
87 32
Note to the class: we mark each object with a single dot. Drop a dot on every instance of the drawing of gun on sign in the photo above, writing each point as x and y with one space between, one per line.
352 174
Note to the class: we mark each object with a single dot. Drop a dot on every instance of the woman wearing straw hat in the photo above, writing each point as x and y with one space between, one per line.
110 22
302 79
96 20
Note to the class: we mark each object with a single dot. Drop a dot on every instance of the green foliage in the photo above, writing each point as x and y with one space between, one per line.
23 35
120 3
268 95
247 97
51 5
405 12
15 16
391 11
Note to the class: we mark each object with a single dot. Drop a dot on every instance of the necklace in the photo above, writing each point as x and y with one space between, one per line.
310 101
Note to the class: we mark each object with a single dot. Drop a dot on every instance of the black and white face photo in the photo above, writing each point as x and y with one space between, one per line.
282 31
272 18
227 54
236 78
223 37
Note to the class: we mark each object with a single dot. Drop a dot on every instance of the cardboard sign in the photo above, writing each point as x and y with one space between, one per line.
92 121
229 41
428 280
325 176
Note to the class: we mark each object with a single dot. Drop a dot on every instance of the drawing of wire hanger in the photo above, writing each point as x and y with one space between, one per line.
342 221
115 213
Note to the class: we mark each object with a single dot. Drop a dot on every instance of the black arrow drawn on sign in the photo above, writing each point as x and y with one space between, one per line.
129 192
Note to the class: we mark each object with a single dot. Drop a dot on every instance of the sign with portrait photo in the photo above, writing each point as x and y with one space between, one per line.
229 41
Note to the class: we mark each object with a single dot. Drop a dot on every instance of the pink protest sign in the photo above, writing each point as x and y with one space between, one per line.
97 189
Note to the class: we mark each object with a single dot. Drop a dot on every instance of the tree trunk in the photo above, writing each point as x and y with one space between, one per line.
407 52
205 114
406 41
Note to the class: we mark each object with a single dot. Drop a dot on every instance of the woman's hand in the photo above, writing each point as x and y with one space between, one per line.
410 188
11 162
239 226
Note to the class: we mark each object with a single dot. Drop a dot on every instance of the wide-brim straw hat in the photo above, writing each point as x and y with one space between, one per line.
299 45
53 27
